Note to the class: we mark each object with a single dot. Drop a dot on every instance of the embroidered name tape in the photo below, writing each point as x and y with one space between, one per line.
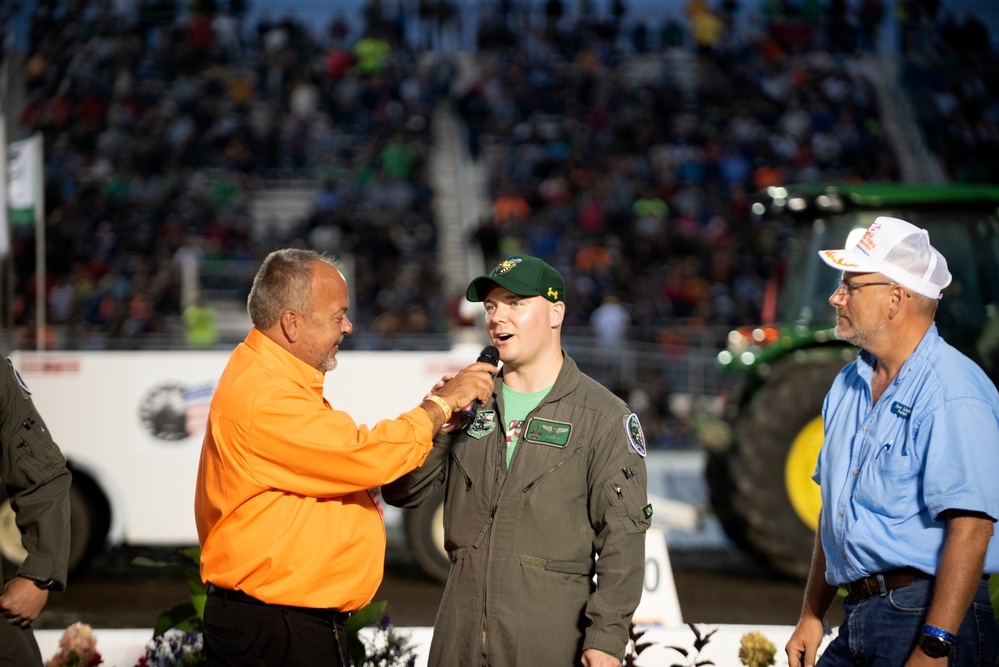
548 432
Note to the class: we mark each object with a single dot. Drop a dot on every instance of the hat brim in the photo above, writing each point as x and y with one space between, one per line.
479 288
848 260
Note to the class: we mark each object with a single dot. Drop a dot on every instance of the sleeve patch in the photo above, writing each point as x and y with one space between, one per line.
636 437
17 376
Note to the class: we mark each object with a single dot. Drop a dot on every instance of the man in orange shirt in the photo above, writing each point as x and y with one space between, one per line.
291 541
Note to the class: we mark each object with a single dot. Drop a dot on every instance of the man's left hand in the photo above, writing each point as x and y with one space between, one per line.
920 659
22 601
594 658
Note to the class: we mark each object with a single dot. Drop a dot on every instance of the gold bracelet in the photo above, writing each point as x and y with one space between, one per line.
442 404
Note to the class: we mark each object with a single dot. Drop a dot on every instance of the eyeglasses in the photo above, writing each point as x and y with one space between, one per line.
849 287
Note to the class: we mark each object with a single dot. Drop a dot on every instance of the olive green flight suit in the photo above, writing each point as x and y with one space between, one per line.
526 542
35 478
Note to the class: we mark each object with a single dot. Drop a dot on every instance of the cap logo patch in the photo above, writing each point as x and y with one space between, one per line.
867 242
633 428
506 265
553 293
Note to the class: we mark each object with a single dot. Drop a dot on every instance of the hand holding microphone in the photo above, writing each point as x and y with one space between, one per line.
489 355
471 386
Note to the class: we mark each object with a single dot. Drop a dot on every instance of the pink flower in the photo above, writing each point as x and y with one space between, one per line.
77 648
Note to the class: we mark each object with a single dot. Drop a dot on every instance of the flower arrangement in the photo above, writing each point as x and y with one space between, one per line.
77 648
755 650
174 649
388 648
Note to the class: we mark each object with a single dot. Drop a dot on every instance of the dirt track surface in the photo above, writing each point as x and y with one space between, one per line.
713 587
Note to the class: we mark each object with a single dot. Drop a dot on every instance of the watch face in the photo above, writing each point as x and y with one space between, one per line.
934 646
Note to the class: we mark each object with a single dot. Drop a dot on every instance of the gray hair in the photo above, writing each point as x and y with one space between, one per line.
284 281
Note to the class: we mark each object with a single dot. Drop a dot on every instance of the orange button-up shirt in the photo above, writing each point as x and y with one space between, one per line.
281 505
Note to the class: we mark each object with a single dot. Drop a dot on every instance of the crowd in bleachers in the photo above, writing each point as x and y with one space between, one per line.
158 124
951 72
624 152
638 187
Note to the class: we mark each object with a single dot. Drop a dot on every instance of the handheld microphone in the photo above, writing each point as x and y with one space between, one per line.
489 355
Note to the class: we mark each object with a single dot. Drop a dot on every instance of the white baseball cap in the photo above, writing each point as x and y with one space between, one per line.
896 249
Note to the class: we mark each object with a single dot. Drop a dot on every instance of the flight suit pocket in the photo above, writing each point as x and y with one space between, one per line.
38 457
629 502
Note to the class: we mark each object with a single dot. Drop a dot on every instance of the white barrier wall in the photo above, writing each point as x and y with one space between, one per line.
122 648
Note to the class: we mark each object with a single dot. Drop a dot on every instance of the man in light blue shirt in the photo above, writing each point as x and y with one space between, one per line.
909 472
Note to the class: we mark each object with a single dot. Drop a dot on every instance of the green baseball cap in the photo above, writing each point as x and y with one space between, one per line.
524 276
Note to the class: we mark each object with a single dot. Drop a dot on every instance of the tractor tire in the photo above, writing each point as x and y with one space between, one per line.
778 437
89 520
425 534
718 475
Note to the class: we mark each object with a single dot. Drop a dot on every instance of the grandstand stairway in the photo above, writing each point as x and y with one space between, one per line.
916 161
461 199
281 209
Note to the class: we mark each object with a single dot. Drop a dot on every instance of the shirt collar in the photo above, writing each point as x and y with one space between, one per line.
284 362
926 345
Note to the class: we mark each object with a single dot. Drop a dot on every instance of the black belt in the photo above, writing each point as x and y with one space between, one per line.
892 579
339 617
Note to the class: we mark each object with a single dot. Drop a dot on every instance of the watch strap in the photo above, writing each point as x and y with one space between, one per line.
46 584
934 631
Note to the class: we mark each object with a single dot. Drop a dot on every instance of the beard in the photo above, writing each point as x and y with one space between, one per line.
327 363
324 361
859 336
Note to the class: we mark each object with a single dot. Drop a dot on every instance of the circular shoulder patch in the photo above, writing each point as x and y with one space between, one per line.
635 435
17 376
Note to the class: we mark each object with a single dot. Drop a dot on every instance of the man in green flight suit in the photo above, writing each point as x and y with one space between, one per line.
545 489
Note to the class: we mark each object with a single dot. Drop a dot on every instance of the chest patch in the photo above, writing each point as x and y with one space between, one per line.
902 411
483 424
547 432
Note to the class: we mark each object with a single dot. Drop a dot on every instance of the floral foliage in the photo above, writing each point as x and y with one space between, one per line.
755 650
388 648
77 648
174 649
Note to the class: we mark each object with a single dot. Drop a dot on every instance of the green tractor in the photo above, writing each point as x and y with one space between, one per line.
760 480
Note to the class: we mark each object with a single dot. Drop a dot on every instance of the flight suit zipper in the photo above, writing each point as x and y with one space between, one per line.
561 463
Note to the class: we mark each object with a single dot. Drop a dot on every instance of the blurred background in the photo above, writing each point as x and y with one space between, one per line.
160 149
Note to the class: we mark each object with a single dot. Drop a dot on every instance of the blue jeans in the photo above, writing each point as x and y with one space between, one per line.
881 631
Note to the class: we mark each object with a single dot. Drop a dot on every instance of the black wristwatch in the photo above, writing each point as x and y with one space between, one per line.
935 647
